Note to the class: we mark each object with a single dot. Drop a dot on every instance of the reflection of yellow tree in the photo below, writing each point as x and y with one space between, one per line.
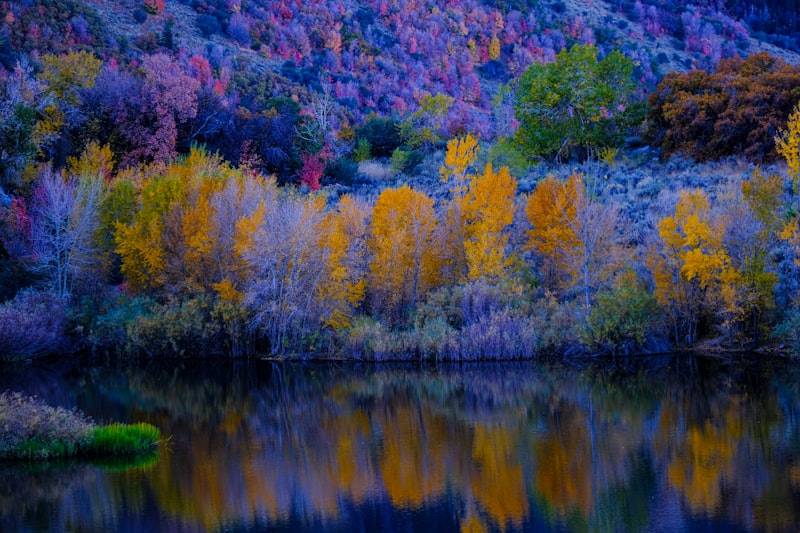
499 485
705 458
414 461
564 465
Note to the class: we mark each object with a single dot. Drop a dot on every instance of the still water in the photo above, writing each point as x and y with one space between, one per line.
665 444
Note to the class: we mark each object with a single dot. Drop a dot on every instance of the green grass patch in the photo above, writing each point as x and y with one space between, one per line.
123 439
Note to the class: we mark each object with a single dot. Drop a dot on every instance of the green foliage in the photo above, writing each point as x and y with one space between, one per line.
399 160
31 429
425 127
176 329
576 103
622 319
381 133
363 151
342 170
505 153
122 439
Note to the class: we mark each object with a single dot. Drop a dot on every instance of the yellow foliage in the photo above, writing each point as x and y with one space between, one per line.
344 232
405 265
787 144
95 160
494 48
488 211
689 269
549 209
460 156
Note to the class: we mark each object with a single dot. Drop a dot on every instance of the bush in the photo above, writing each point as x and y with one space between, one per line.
363 151
176 329
32 325
208 25
31 429
381 133
399 160
342 170
788 331
503 334
622 320
139 15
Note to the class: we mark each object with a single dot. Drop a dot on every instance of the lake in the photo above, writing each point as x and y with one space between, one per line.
673 443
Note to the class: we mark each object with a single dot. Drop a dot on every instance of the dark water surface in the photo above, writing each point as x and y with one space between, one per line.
665 444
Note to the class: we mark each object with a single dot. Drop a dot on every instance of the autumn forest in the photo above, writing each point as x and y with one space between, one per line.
437 180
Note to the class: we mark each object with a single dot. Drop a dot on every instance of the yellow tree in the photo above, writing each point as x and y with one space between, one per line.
343 237
64 77
575 234
140 241
787 144
752 214
404 264
690 265
547 208
457 171
488 211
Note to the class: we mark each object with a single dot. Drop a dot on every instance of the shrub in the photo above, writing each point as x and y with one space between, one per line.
622 320
342 170
503 334
788 331
399 160
154 7
32 325
363 151
176 329
139 15
208 25
31 429
381 133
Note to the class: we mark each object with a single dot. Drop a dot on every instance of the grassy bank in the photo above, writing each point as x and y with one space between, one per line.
30 429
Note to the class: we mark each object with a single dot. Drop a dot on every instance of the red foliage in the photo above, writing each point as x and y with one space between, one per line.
154 7
312 171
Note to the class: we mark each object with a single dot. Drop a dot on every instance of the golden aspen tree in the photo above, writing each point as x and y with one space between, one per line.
404 264
488 211
494 48
787 144
575 233
140 243
752 214
343 235
691 264
457 171
95 160
547 208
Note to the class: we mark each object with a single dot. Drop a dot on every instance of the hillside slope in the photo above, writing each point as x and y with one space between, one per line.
384 55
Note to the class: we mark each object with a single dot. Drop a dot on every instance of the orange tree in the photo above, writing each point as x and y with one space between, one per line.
735 110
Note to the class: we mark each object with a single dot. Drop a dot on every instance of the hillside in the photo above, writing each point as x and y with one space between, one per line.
383 56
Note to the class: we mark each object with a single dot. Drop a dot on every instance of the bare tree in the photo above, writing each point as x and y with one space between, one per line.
64 228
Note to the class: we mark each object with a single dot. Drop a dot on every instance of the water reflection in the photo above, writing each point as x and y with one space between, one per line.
671 444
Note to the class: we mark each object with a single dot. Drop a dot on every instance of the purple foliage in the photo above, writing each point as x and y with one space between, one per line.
32 324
